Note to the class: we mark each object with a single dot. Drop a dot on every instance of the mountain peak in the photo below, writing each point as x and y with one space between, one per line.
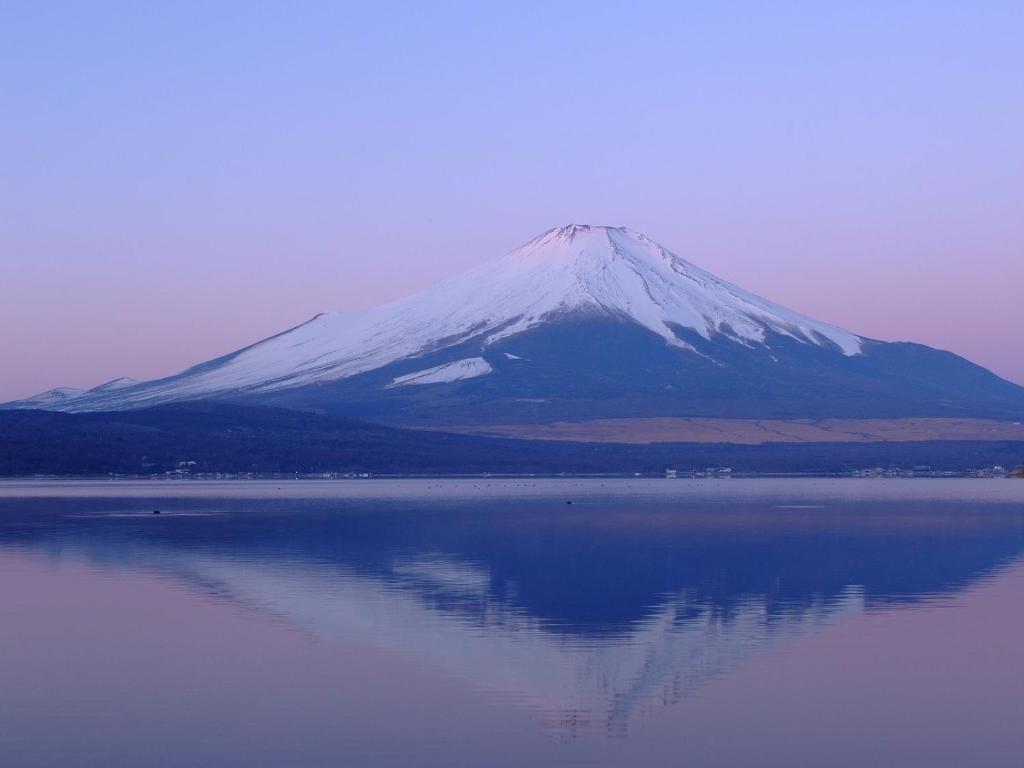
598 240
569 231
623 272
584 236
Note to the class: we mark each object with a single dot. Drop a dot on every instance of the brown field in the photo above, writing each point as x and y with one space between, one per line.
752 431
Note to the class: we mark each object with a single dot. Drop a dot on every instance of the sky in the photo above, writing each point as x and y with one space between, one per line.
181 179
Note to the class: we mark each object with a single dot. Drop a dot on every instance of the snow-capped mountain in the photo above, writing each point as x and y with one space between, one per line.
580 322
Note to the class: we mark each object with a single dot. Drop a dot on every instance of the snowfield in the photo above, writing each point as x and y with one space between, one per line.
469 368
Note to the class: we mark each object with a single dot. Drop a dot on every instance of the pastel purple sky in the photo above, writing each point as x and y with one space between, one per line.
180 179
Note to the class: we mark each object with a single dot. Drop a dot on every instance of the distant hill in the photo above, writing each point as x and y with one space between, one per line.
212 436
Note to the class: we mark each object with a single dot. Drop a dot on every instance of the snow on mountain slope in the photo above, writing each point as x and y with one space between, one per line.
64 397
52 399
468 368
114 385
610 271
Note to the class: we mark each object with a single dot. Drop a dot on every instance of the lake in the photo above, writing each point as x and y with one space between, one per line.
509 622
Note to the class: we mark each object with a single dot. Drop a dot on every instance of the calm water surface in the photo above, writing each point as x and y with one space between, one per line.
462 623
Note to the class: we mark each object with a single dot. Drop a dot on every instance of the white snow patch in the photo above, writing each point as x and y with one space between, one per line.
469 368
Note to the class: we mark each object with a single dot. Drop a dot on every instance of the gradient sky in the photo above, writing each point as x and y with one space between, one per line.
180 179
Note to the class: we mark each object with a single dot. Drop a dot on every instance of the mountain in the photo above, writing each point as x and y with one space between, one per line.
581 323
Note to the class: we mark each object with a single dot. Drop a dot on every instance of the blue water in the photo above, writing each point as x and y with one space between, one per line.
455 623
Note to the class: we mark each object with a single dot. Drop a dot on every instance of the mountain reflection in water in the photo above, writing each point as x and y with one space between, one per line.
588 616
